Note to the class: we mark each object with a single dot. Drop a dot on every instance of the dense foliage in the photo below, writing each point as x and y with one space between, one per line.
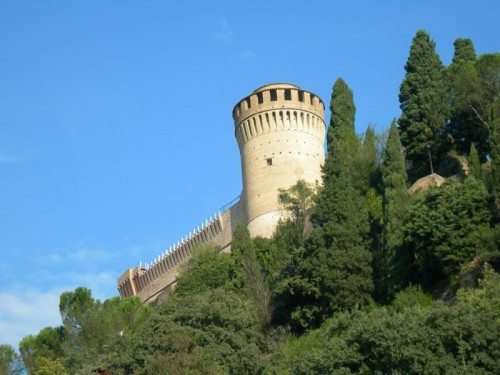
361 278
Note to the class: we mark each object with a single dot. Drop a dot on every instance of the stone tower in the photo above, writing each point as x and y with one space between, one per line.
280 130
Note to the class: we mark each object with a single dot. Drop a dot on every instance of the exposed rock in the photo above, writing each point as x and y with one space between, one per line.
424 183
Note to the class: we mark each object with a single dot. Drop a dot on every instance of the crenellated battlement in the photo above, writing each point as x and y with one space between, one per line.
136 281
149 280
277 107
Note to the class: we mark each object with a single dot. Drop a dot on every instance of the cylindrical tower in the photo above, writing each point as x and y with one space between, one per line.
280 130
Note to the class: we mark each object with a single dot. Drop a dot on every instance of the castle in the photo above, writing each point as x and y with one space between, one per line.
280 130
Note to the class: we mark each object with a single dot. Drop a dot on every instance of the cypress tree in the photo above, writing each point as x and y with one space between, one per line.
343 113
370 156
494 137
395 206
342 147
366 170
468 101
367 181
474 165
488 67
464 51
336 266
422 98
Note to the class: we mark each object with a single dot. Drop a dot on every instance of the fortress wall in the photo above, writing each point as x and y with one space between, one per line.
230 220
151 281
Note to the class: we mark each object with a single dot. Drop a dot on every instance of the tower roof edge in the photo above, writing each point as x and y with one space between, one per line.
277 85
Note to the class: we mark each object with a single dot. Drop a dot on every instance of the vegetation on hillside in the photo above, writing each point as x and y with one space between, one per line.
362 278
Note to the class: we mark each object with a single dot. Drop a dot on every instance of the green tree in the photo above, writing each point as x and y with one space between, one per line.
94 328
468 101
242 253
422 98
50 367
494 133
250 276
474 164
281 255
75 308
464 51
367 166
395 209
447 227
368 182
343 113
47 344
415 336
10 362
209 333
410 297
206 269
342 146
488 66
334 272
298 202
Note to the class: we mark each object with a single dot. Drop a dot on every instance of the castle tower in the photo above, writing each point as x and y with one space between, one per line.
280 130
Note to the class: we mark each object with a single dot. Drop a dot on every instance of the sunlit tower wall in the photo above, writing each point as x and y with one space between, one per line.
280 130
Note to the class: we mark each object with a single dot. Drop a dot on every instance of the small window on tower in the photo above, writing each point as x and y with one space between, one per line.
269 162
281 198
288 94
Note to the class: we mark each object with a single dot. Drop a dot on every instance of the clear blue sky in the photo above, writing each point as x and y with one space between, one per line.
116 136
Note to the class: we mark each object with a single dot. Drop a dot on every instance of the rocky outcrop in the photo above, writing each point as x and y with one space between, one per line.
424 183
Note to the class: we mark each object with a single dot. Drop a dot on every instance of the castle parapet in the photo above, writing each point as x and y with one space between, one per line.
149 280
278 107
142 280
277 95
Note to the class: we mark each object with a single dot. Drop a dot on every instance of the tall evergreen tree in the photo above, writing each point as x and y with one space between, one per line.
422 98
366 173
342 147
468 101
494 137
343 113
488 66
474 165
464 51
336 268
367 181
395 208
